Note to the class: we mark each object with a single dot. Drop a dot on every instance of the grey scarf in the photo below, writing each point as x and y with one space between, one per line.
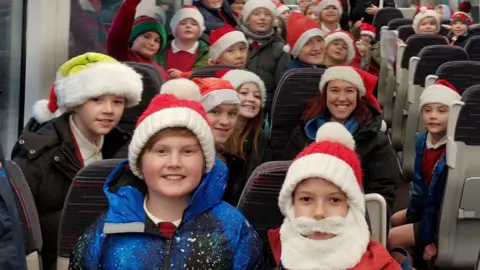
260 38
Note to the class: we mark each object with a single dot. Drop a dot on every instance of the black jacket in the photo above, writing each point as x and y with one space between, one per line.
379 162
48 161
213 20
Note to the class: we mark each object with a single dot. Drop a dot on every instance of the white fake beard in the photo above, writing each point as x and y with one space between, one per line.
341 252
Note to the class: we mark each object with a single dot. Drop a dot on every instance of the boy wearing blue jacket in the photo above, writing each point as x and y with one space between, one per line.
418 225
165 200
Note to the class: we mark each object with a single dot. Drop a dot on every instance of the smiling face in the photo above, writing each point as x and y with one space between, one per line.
341 100
313 51
223 119
250 100
435 119
172 163
329 15
337 50
459 28
147 44
260 20
428 26
236 55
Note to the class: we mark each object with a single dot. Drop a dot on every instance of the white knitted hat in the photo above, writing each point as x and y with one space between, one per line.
187 12
424 13
238 77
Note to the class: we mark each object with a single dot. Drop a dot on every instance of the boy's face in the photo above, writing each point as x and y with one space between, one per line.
435 118
329 14
459 28
235 55
213 4
223 119
147 44
260 20
428 26
317 199
337 50
313 51
98 116
174 166
366 38
188 29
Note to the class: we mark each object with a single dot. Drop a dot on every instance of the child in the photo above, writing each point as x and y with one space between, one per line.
427 21
217 13
340 49
237 9
311 12
136 40
444 11
187 50
305 42
418 225
364 44
283 11
324 208
93 90
329 14
165 200
460 26
303 4
229 47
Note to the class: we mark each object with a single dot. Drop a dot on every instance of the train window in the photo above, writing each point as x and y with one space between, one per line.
11 29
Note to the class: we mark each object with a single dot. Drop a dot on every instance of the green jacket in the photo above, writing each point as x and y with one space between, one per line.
200 61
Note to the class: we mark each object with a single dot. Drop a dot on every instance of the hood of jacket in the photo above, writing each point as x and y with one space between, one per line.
126 194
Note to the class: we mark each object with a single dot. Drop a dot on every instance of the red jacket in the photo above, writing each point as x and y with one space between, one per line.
375 258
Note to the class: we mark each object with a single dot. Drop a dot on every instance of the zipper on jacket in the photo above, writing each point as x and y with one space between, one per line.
166 264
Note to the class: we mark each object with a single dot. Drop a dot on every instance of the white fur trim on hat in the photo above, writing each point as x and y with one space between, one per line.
345 37
325 3
169 118
225 42
424 13
303 39
217 97
102 78
42 114
282 9
182 89
250 6
323 166
439 94
186 13
335 132
368 33
344 73
238 77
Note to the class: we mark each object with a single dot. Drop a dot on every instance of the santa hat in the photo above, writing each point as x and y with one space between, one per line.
145 24
461 17
238 77
251 5
323 4
87 76
333 158
223 38
425 12
187 12
281 8
216 91
345 36
367 29
170 111
300 30
441 92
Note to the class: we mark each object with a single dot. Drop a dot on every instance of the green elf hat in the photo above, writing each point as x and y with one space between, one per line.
88 76
144 24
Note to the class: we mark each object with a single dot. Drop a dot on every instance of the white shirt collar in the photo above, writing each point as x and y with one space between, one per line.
439 144
327 31
155 219
176 49
89 151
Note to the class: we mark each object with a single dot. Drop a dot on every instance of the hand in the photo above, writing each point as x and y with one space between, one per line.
358 23
174 73
430 252
371 10
399 42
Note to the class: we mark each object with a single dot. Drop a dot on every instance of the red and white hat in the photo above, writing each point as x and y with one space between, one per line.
251 5
441 92
169 111
281 8
460 16
216 91
345 36
300 30
344 73
87 76
333 158
187 12
367 29
238 77
323 4
223 38
425 12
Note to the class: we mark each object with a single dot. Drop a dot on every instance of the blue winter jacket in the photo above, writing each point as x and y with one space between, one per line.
297 63
212 234
425 202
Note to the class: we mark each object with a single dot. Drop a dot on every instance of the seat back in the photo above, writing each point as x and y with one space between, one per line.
405 31
84 203
459 230
383 17
408 12
394 24
461 74
209 71
377 213
289 103
473 48
152 82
